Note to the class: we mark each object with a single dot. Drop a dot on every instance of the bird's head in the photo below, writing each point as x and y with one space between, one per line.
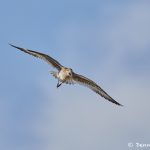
69 72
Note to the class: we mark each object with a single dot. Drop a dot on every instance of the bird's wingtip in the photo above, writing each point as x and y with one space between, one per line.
120 104
11 45
15 46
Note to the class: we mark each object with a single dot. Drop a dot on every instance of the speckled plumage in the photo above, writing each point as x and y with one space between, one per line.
66 75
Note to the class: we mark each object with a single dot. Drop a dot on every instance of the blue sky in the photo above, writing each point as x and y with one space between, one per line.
108 42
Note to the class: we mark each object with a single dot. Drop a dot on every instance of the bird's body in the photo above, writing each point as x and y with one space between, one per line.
66 75
63 74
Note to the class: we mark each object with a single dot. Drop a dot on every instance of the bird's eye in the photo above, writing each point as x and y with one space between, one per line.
69 73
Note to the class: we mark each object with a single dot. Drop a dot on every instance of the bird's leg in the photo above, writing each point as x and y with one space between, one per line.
59 84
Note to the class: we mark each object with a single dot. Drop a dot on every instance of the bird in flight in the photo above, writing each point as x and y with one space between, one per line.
66 75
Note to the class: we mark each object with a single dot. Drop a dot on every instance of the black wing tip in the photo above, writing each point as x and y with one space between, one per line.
119 104
13 45
115 102
20 48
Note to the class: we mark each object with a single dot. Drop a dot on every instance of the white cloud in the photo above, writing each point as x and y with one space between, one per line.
81 120
74 117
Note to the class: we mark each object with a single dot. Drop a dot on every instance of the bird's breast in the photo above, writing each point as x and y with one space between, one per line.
62 75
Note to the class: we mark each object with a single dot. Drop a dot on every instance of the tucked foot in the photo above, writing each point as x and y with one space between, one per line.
58 85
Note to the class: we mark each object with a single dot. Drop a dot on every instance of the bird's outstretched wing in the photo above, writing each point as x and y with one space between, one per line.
45 57
93 86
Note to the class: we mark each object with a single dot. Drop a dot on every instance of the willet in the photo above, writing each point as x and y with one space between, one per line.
66 75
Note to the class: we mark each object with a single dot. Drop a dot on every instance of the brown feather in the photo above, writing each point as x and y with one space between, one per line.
93 86
45 57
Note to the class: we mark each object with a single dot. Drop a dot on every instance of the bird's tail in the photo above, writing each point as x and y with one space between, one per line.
54 73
